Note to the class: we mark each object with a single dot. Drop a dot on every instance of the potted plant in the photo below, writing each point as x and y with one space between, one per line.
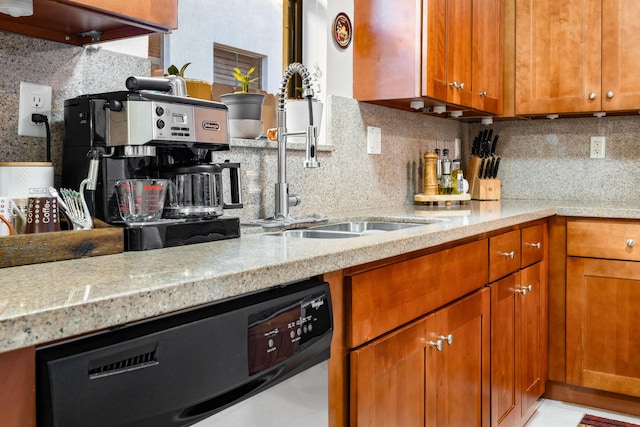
298 114
195 88
245 108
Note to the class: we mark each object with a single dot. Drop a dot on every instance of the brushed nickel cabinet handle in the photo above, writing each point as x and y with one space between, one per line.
533 245
630 243
436 344
511 254
592 95
609 95
448 338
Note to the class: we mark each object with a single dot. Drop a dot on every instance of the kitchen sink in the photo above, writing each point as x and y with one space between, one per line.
345 230
314 234
366 226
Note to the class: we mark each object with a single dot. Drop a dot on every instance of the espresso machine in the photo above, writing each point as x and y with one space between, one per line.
153 131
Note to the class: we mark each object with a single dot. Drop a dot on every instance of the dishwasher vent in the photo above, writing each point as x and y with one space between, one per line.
118 365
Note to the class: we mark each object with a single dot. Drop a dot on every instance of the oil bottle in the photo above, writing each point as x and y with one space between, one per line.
446 185
457 177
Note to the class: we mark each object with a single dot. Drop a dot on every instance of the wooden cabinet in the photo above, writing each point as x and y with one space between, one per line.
419 334
65 20
18 387
504 254
519 328
603 300
433 372
574 57
443 51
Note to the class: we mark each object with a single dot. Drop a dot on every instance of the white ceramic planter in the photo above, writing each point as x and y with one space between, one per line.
245 114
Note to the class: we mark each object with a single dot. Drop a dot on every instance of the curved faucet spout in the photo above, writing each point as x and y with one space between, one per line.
282 198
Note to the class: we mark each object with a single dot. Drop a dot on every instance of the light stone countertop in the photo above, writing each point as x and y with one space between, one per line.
51 301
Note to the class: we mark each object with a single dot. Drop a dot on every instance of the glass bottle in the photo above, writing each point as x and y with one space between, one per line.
457 177
446 185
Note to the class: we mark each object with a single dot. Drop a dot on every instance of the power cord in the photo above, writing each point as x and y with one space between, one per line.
42 118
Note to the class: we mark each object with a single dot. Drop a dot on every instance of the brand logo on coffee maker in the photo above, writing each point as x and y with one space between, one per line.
208 125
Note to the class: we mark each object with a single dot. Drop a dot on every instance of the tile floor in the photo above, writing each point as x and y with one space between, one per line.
552 413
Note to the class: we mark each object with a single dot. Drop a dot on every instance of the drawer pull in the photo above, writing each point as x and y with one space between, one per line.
533 245
630 243
436 344
524 290
511 254
448 338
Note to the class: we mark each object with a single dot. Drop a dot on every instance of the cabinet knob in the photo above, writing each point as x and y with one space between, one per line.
524 290
454 84
448 338
533 245
436 344
462 86
592 95
483 93
609 95
630 243
511 254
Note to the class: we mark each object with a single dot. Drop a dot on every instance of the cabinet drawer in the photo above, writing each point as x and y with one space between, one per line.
504 254
385 298
531 245
603 239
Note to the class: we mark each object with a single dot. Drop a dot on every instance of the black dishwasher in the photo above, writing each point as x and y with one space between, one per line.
180 368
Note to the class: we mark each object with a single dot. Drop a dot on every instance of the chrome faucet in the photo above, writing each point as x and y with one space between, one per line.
283 200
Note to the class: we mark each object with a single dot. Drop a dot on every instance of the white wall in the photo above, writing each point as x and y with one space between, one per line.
252 25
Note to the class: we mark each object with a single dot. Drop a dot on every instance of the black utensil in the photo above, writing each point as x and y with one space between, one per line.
481 170
493 146
495 167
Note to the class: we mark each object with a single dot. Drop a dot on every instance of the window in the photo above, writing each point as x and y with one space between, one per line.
225 58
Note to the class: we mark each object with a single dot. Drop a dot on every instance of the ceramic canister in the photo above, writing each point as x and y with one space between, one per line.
21 180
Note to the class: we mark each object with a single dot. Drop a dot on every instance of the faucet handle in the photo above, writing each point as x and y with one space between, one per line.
272 134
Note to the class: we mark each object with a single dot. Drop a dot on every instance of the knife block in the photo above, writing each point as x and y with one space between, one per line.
485 189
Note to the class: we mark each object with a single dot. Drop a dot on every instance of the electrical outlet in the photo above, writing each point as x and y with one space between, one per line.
374 140
597 147
34 98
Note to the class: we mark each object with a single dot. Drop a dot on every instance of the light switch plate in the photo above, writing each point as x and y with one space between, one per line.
34 98
374 140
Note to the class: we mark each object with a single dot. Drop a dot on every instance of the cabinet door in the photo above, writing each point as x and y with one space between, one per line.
486 83
449 26
463 366
533 350
387 49
388 379
620 55
558 56
603 307
505 381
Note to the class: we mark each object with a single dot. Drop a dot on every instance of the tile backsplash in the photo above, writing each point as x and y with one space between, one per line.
541 159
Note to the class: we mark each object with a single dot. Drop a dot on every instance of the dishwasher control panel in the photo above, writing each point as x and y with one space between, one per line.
282 331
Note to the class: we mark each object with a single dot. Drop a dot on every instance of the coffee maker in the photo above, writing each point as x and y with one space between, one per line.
153 130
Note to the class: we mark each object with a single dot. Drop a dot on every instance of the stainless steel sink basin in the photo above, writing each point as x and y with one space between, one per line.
344 230
366 226
314 234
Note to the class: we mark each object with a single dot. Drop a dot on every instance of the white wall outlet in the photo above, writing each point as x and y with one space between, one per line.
34 98
597 147
374 140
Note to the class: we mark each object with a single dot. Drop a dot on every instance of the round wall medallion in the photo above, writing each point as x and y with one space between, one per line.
342 30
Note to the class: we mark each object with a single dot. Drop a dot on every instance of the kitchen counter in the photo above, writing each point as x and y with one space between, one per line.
52 301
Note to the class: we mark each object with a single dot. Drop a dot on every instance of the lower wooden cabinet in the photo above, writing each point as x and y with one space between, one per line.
434 371
603 308
518 353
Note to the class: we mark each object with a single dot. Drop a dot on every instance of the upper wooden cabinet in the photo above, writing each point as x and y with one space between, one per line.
443 51
576 57
66 20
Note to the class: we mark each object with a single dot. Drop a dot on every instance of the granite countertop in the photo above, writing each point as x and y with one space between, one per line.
51 301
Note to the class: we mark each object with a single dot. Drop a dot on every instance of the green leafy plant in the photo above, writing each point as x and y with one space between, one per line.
244 79
173 70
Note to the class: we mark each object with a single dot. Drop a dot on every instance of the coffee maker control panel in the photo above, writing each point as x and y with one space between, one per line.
146 122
